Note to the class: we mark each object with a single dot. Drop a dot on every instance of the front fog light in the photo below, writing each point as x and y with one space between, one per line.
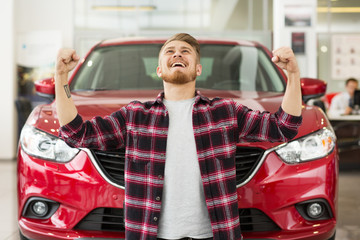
40 208
315 210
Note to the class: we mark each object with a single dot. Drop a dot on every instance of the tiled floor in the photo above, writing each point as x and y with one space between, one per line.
348 221
8 201
348 226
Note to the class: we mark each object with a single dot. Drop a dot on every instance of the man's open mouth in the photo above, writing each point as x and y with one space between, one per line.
178 64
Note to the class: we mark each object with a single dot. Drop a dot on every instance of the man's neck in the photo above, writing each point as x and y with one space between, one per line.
176 92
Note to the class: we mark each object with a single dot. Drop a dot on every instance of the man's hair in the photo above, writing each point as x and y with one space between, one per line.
185 38
351 80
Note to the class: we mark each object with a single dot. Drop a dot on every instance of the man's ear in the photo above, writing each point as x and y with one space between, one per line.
158 71
198 69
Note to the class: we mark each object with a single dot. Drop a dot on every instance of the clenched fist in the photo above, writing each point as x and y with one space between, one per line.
66 61
284 57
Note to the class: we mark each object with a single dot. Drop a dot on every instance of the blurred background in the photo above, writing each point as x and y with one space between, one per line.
33 31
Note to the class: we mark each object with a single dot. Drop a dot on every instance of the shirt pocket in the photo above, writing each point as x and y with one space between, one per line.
137 159
223 140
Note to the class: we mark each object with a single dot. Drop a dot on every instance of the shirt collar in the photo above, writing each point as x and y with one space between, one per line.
198 97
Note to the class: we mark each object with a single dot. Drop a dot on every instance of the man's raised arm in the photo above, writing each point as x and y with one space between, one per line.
65 62
284 57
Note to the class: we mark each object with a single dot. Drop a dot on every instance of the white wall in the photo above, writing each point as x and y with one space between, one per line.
18 17
7 120
45 15
282 34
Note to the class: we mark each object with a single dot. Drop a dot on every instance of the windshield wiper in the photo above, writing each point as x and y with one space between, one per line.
92 89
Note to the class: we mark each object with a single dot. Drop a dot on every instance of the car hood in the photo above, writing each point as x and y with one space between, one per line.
102 103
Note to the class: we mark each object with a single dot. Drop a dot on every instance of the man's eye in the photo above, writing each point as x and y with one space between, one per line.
169 51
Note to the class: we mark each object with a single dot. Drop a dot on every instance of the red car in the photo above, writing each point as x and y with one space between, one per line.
285 190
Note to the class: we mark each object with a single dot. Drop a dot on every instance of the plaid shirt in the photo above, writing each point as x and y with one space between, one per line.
141 128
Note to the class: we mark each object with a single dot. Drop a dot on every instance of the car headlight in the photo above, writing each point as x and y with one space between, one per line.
46 146
311 147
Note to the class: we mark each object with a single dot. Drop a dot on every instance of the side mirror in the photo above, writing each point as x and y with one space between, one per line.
46 88
312 88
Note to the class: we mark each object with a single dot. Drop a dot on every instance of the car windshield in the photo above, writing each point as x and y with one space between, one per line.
128 67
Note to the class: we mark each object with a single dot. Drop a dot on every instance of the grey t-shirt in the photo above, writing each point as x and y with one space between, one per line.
183 211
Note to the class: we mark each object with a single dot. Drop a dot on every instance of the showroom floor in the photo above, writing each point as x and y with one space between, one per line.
349 204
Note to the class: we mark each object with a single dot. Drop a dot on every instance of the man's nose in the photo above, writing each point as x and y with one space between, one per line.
177 54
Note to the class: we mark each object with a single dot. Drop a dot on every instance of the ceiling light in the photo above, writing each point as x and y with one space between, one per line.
124 8
339 9
324 49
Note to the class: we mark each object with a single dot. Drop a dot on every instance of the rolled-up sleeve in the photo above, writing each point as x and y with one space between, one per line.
98 133
265 126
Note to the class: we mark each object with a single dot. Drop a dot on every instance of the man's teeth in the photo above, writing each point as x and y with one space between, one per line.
178 65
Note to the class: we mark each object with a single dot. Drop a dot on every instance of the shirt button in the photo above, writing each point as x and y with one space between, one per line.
157 198
160 177
155 219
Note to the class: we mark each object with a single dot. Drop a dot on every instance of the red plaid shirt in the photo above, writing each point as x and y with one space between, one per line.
141 128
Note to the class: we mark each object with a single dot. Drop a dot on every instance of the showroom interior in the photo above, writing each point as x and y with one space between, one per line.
324 35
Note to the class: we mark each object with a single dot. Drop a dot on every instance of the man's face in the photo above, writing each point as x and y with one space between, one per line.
351 87
178 63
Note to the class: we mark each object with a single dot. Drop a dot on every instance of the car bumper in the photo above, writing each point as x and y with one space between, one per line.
275 189
72 185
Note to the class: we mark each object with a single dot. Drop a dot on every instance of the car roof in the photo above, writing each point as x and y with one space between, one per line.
152 40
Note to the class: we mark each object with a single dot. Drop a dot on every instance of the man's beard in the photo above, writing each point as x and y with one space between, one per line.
179 77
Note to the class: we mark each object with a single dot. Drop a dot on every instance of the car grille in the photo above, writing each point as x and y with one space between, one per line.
246 160
254 220
112 163
103 219
112 219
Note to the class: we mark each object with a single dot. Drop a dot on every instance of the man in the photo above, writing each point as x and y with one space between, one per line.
193 195
342 103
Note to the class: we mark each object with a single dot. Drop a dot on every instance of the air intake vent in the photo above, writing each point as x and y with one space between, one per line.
103 219
112 219
254 220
